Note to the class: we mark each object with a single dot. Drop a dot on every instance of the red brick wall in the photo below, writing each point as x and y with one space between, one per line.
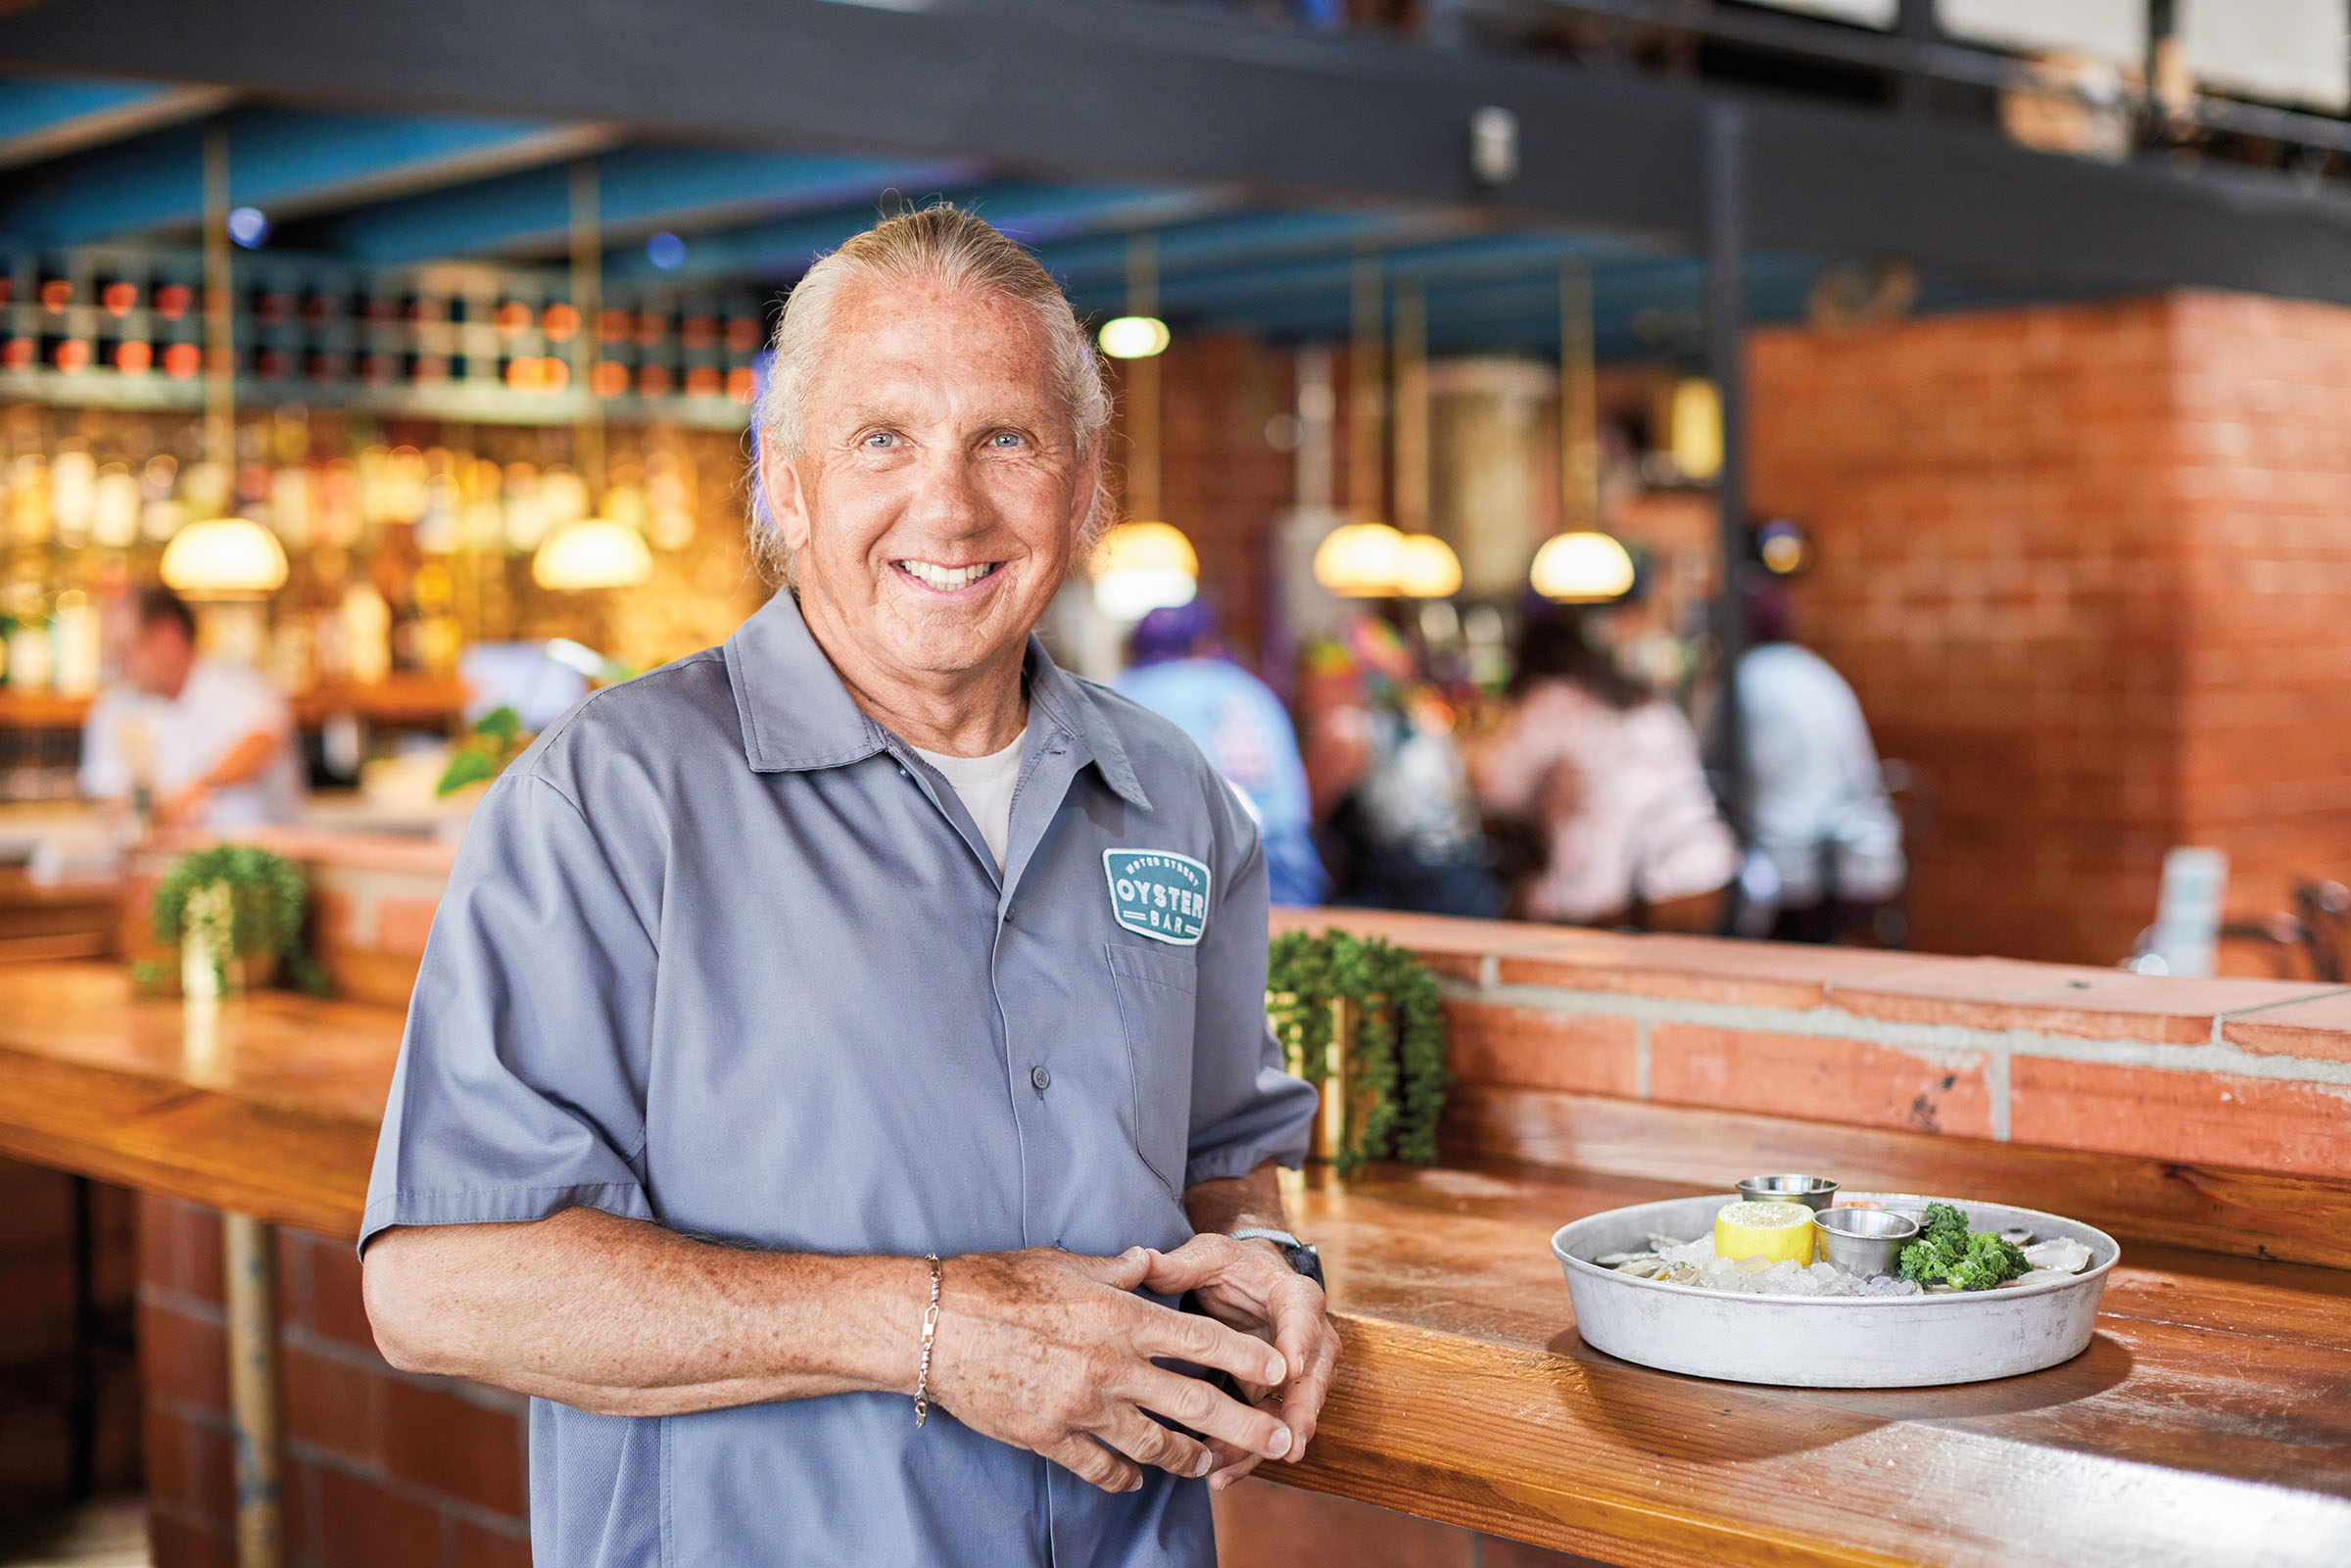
2253 1074
382 1469
2087 567
37 1336
2262 393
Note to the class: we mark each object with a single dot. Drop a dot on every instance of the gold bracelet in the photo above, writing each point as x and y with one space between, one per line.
922 1377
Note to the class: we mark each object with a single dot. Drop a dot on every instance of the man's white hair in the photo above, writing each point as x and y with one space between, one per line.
943 245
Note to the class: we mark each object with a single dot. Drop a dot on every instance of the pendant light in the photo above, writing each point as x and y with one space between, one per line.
1579 564
222 559
1364 556
596 552
1144 564
1427 568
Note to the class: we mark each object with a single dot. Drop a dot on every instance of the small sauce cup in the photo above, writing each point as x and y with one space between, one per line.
1863 1241
1814 1192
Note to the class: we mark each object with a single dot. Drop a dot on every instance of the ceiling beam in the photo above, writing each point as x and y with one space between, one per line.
1327 280
41 119
1036 215
1110 90
640 190
285 163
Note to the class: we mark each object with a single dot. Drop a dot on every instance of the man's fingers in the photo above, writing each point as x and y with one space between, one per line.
1089 1461
1145 1441
1191 1265
1302 1401
1128 1270
1190 1337
1210 1412
1299 1321
1232 1466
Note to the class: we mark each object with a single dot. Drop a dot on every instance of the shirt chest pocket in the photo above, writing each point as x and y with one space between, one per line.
1156 991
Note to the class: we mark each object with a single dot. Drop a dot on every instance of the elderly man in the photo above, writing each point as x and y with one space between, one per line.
837 1049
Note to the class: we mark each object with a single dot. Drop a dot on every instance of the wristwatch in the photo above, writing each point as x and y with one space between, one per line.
1297 1254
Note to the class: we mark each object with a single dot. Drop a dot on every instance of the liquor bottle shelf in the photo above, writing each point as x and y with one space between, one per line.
406 701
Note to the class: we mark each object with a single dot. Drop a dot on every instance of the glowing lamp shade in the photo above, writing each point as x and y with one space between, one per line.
1360 561
1141 567
1133 337
224 557
1582 568
1694 428
1429 569
591 553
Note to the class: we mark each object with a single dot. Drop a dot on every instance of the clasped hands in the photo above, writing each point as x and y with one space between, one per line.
1052 1351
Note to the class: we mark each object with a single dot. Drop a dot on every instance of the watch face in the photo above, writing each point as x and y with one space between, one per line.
1308 1261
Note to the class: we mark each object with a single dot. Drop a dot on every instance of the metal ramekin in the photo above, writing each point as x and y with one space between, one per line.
1864 1241
1814 1192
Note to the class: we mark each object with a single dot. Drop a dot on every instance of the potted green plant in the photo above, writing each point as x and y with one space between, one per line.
1363 1022
234 911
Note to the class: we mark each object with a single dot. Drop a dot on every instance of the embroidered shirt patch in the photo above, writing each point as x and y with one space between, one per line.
1158 895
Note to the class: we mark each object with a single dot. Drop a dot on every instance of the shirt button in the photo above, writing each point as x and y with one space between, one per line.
1043 1078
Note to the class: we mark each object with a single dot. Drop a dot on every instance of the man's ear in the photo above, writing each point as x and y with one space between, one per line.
1084 525
787 501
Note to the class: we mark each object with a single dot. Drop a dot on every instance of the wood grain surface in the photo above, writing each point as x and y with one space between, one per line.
2209 1423
2253 1214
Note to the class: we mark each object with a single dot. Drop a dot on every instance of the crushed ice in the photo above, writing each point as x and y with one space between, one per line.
1694 1262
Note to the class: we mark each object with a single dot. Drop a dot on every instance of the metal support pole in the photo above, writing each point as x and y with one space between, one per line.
1411 423
1726 354
1143 504
1579 404
1366 390
250 1252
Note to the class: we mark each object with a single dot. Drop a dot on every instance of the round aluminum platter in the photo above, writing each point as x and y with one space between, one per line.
1826 1342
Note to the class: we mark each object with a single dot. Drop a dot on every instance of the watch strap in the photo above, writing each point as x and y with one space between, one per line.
1279 1237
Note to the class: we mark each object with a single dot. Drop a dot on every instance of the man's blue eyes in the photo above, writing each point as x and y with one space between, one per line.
1003 439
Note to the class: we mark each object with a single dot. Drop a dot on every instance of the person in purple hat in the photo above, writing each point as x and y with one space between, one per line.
1179 670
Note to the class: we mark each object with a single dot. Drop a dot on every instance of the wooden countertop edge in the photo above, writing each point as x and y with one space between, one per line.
1355 1454
184 1142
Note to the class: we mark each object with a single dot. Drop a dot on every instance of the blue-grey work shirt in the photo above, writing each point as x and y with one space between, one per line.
722 953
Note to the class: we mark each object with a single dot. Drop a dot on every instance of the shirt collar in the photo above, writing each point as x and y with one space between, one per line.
797 716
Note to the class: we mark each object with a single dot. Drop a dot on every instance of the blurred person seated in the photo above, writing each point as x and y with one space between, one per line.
1180 671
1825 847
1610 775
1396 822
198 741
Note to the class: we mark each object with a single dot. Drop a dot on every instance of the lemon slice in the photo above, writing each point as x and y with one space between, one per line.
1779 1233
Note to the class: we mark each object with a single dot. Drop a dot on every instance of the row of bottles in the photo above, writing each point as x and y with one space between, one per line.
403 543
134 316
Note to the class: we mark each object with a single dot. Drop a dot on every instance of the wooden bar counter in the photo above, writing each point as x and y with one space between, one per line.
2209 1423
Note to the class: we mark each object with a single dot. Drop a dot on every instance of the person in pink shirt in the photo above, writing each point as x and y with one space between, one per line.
1608 776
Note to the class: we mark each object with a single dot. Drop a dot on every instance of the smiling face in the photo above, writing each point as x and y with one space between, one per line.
936 498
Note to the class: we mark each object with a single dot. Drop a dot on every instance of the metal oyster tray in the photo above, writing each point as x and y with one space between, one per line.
1826 1342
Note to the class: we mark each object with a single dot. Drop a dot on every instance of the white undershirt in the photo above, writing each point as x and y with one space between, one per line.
986 784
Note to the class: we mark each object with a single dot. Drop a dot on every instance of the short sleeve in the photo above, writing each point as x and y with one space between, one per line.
520 1089
1246 1109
